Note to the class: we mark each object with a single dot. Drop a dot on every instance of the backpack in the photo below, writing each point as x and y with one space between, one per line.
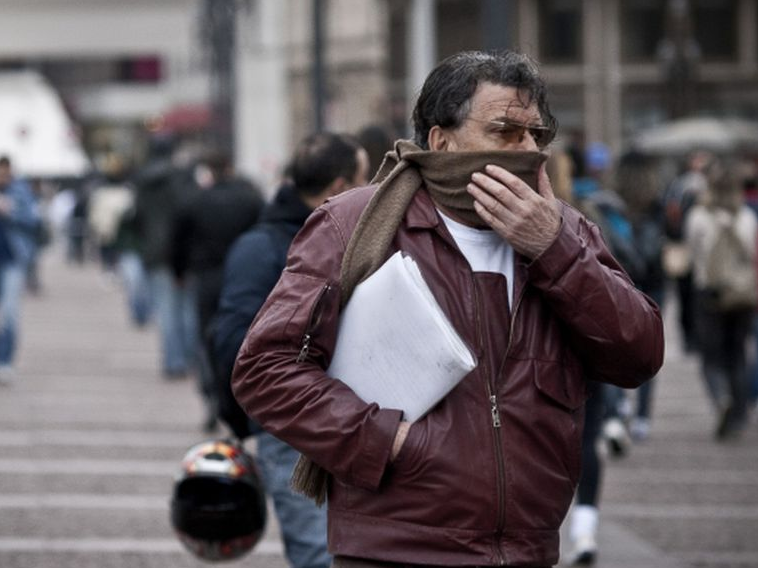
608 211
730 273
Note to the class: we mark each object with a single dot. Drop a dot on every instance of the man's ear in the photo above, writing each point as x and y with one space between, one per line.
438 139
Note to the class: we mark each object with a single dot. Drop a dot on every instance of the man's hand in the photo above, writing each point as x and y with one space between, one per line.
400 436
529 220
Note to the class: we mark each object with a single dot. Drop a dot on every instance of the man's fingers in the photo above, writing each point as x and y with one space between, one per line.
493 212
493 222
544 187
517 186
488 197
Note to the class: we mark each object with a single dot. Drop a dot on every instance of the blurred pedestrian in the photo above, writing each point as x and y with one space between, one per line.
486 477
205 229
638 184
584 516
323 165
376 141
604 207
162 189
680 196
19 225
76 227
110 199
721 233
42 237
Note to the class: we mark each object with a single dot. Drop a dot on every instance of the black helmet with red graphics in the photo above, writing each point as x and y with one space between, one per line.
218 506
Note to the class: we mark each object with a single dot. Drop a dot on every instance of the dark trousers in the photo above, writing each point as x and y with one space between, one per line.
588 490
723 356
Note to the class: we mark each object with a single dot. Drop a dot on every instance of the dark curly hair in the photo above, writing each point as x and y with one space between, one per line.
445 98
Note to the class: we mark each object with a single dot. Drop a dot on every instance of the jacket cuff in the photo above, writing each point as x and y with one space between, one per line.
556 259
369 467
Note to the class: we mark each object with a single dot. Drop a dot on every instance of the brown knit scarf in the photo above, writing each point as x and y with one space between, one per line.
403 171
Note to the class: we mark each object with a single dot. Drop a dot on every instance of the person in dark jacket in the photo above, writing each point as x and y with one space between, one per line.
323 165
162 189
205 229
486 476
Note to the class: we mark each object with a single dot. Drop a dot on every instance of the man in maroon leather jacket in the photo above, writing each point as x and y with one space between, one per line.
486 477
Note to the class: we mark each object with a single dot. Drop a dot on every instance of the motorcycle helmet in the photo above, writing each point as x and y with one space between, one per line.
218 506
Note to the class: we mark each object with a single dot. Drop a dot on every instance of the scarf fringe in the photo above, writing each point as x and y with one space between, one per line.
310 480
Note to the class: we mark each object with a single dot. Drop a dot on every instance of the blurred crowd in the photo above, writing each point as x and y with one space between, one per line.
690 236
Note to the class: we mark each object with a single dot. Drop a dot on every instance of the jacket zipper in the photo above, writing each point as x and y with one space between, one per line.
314 318
495 417
496 424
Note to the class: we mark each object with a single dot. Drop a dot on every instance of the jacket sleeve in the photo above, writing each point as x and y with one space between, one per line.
615 329
279 376
250 273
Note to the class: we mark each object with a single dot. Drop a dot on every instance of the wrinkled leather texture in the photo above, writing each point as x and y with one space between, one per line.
460 492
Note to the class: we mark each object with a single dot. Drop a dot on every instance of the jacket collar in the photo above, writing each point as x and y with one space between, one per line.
421 213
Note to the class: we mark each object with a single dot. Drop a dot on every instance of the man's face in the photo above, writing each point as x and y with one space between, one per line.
498 120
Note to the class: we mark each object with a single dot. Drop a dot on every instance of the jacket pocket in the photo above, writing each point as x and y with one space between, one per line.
296 313
563 388
408 454
566 388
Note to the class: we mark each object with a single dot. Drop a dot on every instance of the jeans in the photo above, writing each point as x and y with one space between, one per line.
303 524
11 288
177 321
136 286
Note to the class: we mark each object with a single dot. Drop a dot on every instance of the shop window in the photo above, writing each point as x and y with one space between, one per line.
560 31
642 29
715 28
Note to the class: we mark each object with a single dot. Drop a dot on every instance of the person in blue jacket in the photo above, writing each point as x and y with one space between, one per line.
323 165
19 225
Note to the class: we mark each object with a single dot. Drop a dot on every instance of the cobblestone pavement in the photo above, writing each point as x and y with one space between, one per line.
91 435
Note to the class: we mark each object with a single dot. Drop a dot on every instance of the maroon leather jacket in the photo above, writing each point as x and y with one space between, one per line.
487 476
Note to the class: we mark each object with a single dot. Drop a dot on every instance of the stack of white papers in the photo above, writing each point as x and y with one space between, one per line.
395 346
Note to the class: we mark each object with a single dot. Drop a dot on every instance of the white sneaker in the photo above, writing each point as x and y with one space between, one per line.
582 531
616 437
585 551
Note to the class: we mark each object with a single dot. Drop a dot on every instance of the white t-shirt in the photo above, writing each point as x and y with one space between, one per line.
484 249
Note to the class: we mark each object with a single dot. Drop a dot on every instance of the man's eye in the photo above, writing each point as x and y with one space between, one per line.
506 129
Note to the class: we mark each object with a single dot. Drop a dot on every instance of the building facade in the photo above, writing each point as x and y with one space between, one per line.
613 66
